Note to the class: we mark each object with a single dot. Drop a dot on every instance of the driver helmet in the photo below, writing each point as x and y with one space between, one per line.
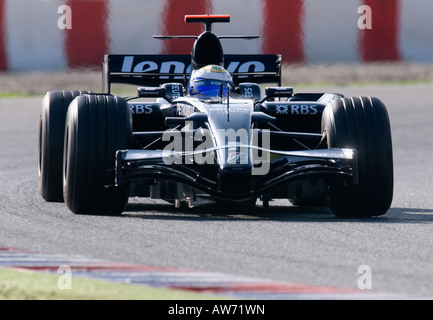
207 81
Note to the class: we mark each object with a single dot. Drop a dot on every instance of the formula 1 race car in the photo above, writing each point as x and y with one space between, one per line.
200 130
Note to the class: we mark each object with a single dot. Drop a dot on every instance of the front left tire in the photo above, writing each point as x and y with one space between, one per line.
361 123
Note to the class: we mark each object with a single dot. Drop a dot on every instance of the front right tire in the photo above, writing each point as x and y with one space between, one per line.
96 127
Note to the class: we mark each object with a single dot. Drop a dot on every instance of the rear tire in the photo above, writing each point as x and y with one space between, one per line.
96 127
361 123
50 143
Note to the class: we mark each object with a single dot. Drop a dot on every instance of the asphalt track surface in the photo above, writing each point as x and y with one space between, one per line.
284 243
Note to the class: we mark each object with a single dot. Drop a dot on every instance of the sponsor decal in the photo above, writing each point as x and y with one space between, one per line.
181 64
141 109
303 109
176 91
296 109
184 109
237 157
282 109
214 68
181 68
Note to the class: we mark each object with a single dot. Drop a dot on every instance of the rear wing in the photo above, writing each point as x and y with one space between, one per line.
154 70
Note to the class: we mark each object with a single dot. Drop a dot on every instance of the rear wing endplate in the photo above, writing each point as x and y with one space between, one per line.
154 70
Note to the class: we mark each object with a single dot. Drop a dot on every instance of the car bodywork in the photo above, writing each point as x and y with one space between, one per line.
236 148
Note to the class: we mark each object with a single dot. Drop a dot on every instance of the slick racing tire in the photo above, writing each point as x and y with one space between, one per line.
361 123
50 143
96 127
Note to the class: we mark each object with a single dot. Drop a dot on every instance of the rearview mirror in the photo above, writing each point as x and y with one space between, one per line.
151 92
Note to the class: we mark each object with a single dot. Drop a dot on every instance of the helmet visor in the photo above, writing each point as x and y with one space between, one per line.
211 88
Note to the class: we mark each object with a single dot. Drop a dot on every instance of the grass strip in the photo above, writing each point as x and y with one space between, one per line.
29 285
